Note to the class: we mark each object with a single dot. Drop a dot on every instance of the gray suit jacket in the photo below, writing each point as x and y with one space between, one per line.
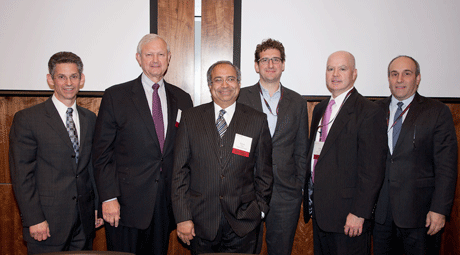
290 140
422 172
208 179
47 182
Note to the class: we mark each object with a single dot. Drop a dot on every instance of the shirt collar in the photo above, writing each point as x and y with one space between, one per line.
406 101
339 99
61 107
266 94
147 83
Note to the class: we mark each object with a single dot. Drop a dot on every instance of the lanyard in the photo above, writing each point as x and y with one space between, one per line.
344 100
266 103
400 116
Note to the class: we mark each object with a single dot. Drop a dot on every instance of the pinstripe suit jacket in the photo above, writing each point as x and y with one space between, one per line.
208 179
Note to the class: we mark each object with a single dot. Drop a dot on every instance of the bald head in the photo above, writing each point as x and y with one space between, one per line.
340 72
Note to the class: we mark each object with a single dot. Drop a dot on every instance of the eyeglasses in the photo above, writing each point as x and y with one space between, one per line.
229 80
265 61
63 78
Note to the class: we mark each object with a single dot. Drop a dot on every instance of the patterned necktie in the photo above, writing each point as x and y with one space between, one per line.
157 115
221 124
398 124
326 117
70 125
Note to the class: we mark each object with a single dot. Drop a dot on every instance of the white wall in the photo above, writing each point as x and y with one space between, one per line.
373 31
104 33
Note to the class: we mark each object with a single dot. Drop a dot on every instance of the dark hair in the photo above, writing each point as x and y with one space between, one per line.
64 57
269 44
209 73
417 66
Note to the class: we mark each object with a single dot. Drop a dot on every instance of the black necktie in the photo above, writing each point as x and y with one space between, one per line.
398 124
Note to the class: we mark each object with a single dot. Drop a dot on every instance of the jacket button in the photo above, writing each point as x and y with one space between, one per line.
222 176
77 176
156 180
161 159
73 156
221 197
74 198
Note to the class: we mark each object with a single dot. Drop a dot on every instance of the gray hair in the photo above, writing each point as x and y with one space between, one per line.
148 38
417 66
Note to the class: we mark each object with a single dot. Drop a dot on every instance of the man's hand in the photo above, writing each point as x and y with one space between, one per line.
98 221
435 221
354 225
186 231
40 231
111 212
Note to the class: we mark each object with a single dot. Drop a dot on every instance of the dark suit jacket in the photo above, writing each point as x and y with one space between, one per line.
422 172
210 180
47 182
350 169
290 140
126 152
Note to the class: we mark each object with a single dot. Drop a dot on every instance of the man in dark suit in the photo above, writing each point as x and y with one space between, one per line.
421 167
222 179
287 118
50 164
347 157
133 153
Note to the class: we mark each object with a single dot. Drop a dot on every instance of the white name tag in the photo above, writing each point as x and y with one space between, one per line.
317 149
179 114
242 145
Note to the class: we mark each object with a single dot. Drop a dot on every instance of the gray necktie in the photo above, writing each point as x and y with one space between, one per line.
71 129
221 124
398 124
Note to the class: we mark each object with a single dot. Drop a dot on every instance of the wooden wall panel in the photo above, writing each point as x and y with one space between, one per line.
216 38
176 19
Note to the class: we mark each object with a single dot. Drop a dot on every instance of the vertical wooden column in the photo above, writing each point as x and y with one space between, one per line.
216 38
176 25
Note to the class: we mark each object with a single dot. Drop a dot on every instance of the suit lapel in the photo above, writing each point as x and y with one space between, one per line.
172 115
254 97
283 117
410 119
343 116
211 134
238 124
55 122
142 106
83 126
320 109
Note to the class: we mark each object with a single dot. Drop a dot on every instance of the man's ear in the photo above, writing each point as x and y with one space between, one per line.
50 81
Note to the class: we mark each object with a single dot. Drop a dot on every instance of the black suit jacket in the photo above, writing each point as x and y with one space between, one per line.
290 140
126 151
422 172
210 180
350 168
48 184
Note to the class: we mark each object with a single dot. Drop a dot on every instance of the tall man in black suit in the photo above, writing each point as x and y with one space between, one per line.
50 164
133 153
287 118
222 179
421 167
347 158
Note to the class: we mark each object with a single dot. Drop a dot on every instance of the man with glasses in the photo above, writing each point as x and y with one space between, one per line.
222 174
287 118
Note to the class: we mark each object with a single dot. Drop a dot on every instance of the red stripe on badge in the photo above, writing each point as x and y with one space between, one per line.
177 124
240 152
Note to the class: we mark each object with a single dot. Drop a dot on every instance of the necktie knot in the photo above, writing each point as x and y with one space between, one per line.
69 111
400 105
222 113
331 103
155 86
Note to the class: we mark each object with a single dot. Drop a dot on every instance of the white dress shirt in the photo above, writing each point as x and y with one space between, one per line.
62 110
147 84
392 108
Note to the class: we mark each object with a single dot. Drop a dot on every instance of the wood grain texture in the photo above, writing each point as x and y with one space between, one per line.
176 21
216 38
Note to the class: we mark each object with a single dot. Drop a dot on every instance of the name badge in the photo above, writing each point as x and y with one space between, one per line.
242 145
317 149
179 114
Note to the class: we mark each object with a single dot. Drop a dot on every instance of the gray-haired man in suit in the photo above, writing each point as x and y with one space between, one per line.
222 174
50 164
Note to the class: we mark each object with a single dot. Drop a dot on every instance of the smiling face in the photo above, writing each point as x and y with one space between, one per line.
269 72
66 82
340 72
154 59
402 78
224 86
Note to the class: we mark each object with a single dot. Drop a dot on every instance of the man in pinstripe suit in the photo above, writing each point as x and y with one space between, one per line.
222 174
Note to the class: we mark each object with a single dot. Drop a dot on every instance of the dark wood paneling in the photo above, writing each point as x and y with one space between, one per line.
176 23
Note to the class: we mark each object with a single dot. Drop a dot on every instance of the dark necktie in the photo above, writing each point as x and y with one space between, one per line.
157 115
221 124
70 125
398 124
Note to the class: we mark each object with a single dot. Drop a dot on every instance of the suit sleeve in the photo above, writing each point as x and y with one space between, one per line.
23 160
372 152
263 173
181 174
445 153
302 145
103 151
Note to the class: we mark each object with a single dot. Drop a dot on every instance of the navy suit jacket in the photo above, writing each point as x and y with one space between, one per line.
422 172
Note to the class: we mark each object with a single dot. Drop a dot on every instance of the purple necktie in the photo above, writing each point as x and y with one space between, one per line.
324 127
157 115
